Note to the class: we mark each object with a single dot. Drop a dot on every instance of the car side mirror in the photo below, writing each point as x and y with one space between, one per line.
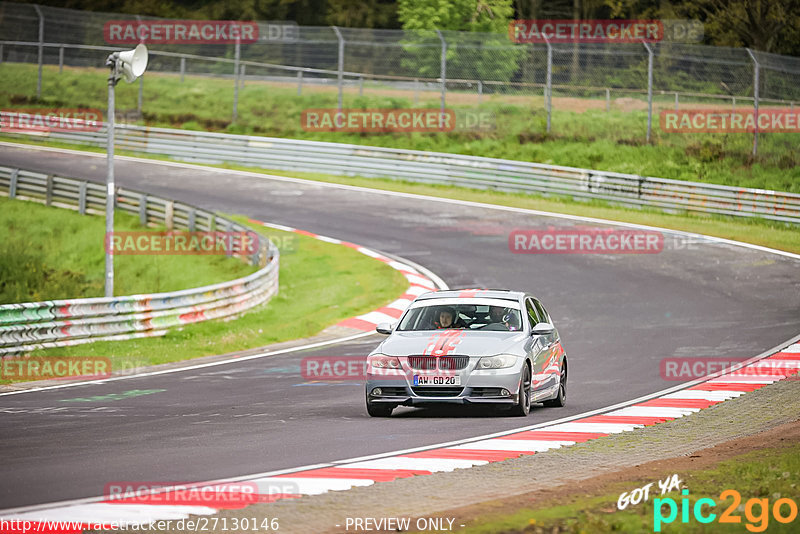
542 329
384 328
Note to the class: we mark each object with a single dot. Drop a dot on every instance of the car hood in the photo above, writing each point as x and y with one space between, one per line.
469 343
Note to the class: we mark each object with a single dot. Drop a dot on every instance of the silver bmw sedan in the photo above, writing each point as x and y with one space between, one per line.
473 346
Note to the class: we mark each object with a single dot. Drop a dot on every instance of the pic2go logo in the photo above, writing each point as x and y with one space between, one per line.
758 522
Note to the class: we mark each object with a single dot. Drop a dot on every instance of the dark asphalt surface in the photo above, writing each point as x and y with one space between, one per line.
619 316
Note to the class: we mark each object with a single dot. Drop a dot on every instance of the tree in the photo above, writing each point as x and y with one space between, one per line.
484 54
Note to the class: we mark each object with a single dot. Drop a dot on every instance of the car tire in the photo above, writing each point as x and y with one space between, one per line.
561 398
523 406
375 409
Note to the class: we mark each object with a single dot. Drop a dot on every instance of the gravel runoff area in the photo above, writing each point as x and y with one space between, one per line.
434 495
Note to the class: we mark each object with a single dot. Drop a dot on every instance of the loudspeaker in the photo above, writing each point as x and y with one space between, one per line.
133 62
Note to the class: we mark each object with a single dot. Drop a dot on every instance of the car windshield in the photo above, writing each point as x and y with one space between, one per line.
461 316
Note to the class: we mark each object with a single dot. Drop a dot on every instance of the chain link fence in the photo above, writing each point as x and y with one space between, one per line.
448 67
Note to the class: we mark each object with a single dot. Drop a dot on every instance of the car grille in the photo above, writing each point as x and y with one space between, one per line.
438 391
451 363
445 363
422 362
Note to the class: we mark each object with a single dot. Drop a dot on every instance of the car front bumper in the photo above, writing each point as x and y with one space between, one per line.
477 387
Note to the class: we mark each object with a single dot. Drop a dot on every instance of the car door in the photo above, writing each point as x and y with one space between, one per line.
538 352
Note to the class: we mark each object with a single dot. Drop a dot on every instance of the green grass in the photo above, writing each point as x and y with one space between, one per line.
597 139
49 253
765 474
320 284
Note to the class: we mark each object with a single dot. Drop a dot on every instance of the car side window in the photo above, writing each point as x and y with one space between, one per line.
532 315
542 312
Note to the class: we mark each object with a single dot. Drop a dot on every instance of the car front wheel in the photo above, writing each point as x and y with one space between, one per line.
523 406
379 410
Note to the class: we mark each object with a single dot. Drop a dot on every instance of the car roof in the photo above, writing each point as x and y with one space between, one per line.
502 294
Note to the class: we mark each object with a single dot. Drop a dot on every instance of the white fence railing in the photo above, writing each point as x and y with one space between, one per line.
450 169
35 325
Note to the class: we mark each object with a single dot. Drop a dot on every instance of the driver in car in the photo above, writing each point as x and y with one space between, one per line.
500 315
446 319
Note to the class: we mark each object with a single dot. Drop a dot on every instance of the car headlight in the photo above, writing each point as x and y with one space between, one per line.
380 361
501 361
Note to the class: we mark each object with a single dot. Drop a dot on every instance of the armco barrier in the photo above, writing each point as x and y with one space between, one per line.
440 168
34 325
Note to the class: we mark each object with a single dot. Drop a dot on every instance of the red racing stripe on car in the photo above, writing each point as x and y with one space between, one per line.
728 386
679 403
634 419
468 454
578 437
378 475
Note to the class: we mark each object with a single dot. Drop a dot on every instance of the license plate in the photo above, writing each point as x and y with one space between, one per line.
432 380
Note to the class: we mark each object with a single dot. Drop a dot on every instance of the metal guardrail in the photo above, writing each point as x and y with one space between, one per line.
58 323
449 169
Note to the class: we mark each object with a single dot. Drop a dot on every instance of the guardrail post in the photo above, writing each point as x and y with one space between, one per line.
82 198
242 75
733 103
1 53
416 92
183 68
60 59
608 99
548 91
143 209
676 100
48 199
169 213
480 91
756 69
649 89
191 220
299 82
212 223
12 186
41 50
236 79
340 79
443 68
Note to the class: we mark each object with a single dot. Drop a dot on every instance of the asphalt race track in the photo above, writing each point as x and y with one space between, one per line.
619 316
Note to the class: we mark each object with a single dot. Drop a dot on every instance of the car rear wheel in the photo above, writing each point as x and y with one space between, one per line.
523 406
561 398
